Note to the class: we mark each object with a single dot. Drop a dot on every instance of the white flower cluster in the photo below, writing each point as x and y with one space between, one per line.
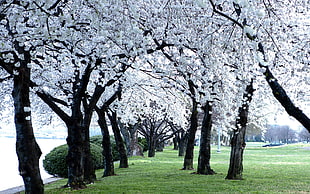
201 3
8 58
27 109
242 3
249 31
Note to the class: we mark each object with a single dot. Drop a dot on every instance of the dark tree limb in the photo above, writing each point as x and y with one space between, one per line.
280 94
49 101
225 15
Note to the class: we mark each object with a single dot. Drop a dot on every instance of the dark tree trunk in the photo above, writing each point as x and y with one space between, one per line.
151 147
89 173
204 166
28 151
106 145
75 157
125 132
79 161
119 141
179 140
136 149
183 143
238 139
130 134
89 168
175 143
189 154
160 146
280 94
106 142
75 140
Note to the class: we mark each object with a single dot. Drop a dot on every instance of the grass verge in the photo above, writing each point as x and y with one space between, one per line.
284 169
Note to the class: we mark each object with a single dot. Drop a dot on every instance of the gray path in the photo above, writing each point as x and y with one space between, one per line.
19 189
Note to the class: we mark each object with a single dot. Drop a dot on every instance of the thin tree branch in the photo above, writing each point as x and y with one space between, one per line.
48 99
225 15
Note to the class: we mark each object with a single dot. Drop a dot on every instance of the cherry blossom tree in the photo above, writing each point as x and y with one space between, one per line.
102 110
65 38
273 13
204 166
18 43
153 105
238 137
246 21
118 139
73 53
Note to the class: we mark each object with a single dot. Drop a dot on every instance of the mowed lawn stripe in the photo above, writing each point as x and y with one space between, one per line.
284 169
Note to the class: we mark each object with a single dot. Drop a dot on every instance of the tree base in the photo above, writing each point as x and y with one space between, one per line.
188 164
90 180
77 186
234 177
123 162
207 172
109 175
123 166
187 168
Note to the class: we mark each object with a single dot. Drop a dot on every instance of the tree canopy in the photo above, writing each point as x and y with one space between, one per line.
125 55
175 41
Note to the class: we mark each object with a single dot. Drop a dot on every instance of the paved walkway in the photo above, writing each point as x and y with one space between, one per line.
19 189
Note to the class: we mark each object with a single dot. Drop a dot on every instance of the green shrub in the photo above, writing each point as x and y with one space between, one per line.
55 161
143 143
98 141
96 153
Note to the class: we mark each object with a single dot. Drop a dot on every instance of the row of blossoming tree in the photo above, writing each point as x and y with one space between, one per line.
117 58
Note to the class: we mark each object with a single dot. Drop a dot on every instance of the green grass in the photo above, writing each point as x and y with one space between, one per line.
283 169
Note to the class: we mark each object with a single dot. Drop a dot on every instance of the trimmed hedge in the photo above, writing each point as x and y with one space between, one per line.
98 141
55 161
143 143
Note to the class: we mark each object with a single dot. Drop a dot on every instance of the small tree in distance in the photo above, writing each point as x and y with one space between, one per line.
304 135
280 134
156 131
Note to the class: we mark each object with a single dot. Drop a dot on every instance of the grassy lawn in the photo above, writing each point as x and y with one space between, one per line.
284 169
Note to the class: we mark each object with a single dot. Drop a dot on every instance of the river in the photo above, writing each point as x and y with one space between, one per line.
9 175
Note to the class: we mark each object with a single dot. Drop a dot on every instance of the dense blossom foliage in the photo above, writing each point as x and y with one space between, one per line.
164 44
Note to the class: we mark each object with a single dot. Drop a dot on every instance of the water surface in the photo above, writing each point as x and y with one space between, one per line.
9 175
